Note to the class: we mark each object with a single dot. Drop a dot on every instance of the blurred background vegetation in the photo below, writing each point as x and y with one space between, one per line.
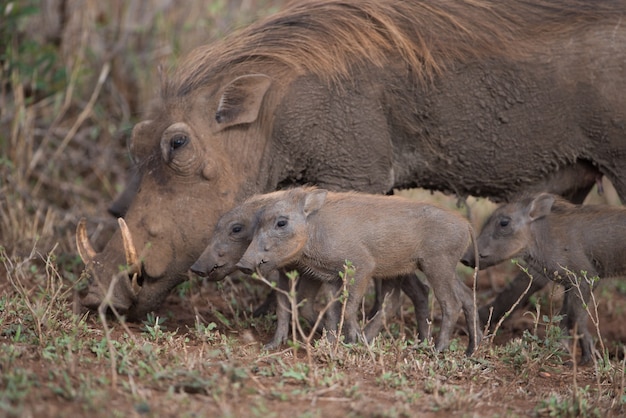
75 76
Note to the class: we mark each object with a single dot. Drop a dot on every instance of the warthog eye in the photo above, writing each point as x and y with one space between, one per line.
236 229
504 222
281 223
178 141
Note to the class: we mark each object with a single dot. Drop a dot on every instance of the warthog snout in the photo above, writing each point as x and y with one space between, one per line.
245 267
92 300
469 259
202 270
120 299
248 266
121 292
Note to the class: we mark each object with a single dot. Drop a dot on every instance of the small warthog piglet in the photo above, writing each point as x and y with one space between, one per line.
570 244
316 231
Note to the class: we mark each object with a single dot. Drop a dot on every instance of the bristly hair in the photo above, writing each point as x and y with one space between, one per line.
332 38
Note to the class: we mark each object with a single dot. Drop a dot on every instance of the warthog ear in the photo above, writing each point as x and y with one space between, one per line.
540 206
241 100
313 201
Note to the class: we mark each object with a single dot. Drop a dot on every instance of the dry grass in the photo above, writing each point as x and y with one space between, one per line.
71 86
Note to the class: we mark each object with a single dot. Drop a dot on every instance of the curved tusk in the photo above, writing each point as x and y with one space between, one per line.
134 285
129 247
85 250
131 256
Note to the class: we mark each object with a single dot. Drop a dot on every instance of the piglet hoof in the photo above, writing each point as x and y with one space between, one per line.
272 345
351 333
349 340
331 336
582 363
275 343
471 349
585 360
441 346
473 345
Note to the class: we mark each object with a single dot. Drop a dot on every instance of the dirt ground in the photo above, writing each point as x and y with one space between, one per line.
494 389
230 374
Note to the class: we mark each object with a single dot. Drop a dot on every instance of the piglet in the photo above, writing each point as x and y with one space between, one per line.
565 242
316 231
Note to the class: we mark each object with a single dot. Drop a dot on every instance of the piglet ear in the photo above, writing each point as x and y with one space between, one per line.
540 206
241 100
313 201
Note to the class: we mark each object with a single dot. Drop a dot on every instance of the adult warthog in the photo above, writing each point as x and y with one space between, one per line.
484 98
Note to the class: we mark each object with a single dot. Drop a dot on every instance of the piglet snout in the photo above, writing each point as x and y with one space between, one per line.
245 266
468 259
199 269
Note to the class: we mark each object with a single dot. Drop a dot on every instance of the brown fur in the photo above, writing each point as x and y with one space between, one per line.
331 38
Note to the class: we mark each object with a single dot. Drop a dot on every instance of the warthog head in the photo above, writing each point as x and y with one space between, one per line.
187 178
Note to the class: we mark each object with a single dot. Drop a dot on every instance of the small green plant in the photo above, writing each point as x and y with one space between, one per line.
299 373
392 380
347 279
16 385
577 405
206 332
186 288
532 351
153 326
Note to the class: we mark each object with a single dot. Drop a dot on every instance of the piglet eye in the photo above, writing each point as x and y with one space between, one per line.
178 141
504 222
236 229
281 223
